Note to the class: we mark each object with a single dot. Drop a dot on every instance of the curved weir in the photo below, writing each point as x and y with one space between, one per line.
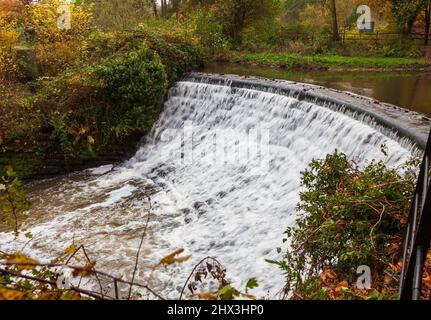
222 168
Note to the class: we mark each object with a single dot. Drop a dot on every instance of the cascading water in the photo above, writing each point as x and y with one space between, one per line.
222 167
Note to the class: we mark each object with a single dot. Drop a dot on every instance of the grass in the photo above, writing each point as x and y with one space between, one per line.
293 61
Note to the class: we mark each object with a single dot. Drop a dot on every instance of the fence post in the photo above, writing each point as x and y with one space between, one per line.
417 278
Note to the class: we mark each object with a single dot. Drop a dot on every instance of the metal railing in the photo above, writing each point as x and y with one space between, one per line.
418 233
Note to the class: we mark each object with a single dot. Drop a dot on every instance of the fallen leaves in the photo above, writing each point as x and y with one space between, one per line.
174 258
426 278
7 294
86 271
205 296
328 276
71 249
21 261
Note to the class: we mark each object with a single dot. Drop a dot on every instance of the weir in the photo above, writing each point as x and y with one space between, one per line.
392 120
222 167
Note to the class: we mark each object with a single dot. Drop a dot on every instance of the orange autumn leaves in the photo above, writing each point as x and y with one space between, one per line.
21 261
426 288
174 258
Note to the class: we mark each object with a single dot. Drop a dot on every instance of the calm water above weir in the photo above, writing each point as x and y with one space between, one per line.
411 90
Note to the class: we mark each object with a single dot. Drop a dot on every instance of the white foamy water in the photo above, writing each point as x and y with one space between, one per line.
220 200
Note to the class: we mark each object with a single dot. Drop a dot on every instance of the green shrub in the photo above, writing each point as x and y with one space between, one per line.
177 55
100 105
89 110
13 202
209 33
137 78
400 48
349 216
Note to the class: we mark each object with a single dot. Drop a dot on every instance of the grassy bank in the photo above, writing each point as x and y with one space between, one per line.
328 62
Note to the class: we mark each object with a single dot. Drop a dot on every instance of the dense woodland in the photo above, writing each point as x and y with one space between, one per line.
77 97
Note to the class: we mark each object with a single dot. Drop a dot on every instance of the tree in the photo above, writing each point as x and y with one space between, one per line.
176 8
335 33
164 5
293 9
235 15
405 13
122 15
155 8
427 21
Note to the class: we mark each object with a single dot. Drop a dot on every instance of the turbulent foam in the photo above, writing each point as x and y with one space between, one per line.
211 201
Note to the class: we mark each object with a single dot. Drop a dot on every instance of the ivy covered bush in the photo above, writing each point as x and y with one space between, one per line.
177 53
348 217
83 113
136 83
123 95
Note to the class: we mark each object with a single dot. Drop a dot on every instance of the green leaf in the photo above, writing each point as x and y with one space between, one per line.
251 284
228 292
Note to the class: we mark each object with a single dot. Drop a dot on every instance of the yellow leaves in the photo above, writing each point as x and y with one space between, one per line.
70 295
83 131
343 285
21 261
248 296
43 17
7 294
82 134
8 41
71 249
427 279
173 258
75 80
86 271
57 48
205 296
395 268
228 293
90 140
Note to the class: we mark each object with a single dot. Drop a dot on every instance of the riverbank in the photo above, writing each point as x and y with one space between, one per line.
288 61
94 113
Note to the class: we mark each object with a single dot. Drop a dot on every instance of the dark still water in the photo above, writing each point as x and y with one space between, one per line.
411 90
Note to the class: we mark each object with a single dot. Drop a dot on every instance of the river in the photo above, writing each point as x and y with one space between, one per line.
411 90
222 169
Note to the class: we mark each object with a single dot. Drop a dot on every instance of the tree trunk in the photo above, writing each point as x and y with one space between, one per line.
427 21
155 8
176 5
335 34
164 9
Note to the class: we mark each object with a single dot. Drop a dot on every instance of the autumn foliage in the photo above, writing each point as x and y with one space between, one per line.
348 217
55 48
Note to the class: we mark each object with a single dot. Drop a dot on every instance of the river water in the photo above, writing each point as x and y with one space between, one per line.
411 90
221 169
